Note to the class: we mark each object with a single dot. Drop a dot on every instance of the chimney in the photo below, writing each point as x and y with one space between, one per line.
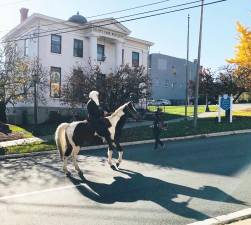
23 14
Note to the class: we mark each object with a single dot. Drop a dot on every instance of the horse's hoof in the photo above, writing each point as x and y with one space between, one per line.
117 164
80 173
67 173
113 167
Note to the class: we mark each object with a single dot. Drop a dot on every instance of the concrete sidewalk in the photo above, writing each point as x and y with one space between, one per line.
23 141
242 217
127 125
149 123
242 222
51 137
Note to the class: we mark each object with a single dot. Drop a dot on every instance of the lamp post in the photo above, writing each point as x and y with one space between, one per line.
35 98
187 66
198 69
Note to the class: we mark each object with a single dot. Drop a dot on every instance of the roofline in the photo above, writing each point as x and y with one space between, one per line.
171 56
41 16
127 31
60 21
38 16
19 26
139 40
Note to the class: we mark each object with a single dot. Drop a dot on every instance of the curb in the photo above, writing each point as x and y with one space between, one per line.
226 133
25 141
226 219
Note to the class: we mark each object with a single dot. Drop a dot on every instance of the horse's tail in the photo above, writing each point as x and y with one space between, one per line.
60 138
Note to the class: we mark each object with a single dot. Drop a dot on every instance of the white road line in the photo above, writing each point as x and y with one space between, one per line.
42 191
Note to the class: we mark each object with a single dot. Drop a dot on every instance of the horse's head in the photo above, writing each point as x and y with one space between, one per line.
130 110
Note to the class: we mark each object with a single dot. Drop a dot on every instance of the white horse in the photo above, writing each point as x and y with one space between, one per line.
70 137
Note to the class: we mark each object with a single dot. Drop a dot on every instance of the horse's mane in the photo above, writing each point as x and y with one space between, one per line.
118 110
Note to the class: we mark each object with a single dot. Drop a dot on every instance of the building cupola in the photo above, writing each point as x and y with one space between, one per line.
77 19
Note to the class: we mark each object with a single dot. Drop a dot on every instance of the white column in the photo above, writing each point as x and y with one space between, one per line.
219 110
118 54
93 49
231 109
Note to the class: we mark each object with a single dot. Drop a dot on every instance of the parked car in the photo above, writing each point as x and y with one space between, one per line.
160 102
150 102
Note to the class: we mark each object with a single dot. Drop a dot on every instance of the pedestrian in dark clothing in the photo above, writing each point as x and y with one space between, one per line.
157 127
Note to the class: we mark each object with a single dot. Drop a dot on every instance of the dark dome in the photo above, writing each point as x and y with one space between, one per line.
78 19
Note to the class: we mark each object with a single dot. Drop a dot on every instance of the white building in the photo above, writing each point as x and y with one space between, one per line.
63 44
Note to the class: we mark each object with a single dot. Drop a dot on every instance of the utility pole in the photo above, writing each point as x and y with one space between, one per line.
187 64
198 69
147 72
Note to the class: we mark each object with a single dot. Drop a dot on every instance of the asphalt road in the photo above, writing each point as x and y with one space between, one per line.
191 180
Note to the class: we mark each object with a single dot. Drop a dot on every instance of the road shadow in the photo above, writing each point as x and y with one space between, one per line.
39 170
226 155
139 187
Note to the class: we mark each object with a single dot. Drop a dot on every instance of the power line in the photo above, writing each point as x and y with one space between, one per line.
1 31
113 12
123 10
156 10
13 3
115 22
135 14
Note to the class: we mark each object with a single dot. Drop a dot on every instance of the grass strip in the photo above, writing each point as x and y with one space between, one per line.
177 129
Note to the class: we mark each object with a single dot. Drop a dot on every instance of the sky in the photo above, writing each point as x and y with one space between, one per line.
167 32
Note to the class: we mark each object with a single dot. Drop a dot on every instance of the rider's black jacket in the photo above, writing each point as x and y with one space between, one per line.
96 117
94 112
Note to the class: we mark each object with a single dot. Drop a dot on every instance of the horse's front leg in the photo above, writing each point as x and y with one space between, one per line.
109 153
74 155
120 151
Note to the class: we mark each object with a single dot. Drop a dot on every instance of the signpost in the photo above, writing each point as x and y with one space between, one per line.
225 103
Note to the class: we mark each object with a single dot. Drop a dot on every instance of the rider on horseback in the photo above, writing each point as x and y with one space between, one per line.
94 112
95 116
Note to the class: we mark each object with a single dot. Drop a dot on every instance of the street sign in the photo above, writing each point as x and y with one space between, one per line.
225 102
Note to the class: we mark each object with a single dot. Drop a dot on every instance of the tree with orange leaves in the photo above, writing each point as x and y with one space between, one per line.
243 48
242 60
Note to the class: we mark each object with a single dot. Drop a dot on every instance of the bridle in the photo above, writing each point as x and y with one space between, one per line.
132 112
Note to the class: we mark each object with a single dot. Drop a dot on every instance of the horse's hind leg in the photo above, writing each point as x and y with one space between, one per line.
75 154
110 150
66 171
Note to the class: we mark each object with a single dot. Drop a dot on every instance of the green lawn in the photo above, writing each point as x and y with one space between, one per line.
185 128
172 112
42 129
182 128
32 147
169 112
180 109
18 129
241 120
